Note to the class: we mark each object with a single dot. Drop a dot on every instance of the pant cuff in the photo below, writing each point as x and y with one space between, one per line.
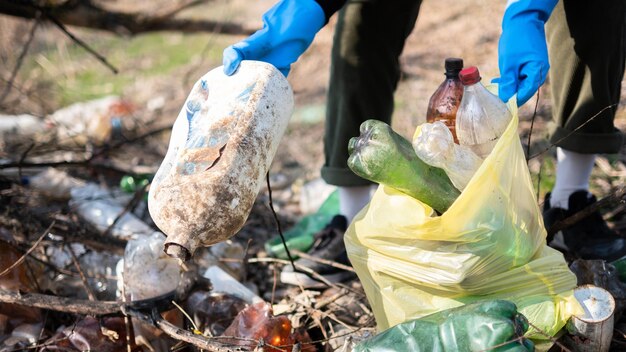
588 143
342 177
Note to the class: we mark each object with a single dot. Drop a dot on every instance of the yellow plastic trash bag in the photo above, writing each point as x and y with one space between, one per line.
490 244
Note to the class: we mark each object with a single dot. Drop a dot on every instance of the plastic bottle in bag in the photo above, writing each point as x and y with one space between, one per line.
482 117
434 144
445 102
222 145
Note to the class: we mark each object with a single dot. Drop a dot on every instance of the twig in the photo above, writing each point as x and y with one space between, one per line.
539 179
280 230
20 58
532 124
299 268
179 8
28 252
324 261
551 338
97 308
127 322
193 323
617 195
81 43
574 131
61 304
90 160
83 279
199 341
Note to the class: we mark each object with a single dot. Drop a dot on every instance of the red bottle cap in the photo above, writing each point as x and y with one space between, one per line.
469 75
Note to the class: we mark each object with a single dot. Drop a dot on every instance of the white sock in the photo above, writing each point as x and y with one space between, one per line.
353 199
572 174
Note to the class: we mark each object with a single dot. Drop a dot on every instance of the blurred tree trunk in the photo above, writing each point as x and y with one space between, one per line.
86 13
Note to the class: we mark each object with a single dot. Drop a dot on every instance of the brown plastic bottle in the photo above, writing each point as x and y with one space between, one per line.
445 101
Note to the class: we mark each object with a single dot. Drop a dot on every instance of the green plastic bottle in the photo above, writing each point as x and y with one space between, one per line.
131 184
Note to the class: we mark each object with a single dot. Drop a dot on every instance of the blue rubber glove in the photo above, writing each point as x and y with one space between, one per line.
522 50
288 29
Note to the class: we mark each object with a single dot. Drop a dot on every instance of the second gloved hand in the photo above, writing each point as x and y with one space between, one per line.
522 50
288 29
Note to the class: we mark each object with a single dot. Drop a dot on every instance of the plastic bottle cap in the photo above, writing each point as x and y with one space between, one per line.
469 75
454 64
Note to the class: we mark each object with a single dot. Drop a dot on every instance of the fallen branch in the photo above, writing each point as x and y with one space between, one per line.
85 13
200 341
188 280
90 161
61 304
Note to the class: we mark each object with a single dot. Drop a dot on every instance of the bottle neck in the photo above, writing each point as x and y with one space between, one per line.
473 87
452 74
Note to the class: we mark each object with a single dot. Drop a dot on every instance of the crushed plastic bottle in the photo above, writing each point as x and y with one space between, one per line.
92 121
101 209
23 125
148 272
55 183
222 145
434 144
98 267
482 117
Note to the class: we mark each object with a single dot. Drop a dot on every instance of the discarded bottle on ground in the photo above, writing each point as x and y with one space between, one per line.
445 101
482 116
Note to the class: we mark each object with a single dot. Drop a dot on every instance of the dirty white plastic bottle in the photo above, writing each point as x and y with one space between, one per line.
222 145
482 117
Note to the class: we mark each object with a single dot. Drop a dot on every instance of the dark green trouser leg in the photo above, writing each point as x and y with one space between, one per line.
587 51
369 38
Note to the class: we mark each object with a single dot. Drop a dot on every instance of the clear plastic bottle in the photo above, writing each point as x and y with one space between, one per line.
445 101
433 144
482 117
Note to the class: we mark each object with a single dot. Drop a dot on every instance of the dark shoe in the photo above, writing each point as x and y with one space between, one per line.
590 238
328 245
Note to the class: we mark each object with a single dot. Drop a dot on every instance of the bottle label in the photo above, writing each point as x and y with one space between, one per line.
208 130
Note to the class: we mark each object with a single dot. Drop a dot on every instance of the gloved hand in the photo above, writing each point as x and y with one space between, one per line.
522 50
479 326
288 29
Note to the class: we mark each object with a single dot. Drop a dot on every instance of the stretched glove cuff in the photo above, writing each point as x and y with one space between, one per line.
539 9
